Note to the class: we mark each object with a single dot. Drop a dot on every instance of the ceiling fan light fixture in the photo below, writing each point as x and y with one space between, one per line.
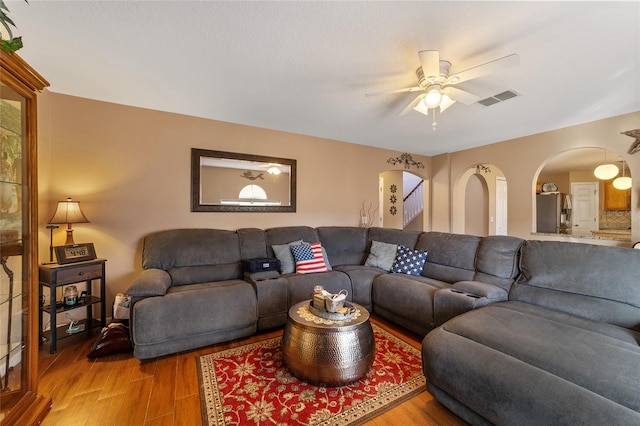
433 97
422 107
273 170
606 171
446 102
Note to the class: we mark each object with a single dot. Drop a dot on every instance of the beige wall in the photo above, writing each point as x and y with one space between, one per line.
130 169
521 160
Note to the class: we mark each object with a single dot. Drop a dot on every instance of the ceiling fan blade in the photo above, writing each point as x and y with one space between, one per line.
390 92
413 104
430 62
461 96
487 68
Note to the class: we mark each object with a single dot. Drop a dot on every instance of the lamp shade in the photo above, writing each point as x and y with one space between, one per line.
68 212
606 171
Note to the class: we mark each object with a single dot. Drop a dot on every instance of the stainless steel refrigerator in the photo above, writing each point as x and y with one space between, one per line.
549 212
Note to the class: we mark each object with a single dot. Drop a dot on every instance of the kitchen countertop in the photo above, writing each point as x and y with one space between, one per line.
613 234
616 235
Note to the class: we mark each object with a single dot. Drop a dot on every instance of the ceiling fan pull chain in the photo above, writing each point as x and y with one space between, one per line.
434 124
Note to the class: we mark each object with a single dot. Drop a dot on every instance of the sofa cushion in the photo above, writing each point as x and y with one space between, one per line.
189 247
192 316
451 256
253 243
406 300
394 236
151 282
286 234
361 277
595 282
308 258
408 261
285 256
301 285
499 255
205 273
381 255
535 363
497 260
345 245
213 253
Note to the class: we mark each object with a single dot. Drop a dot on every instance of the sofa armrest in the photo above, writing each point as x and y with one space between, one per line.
480 289
464 296
151 282
254 277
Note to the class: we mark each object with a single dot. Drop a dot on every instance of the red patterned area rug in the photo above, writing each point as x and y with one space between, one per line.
250 385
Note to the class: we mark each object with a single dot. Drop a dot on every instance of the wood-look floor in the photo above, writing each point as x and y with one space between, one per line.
121 390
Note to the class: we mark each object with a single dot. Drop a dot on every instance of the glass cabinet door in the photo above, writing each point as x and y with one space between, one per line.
14 290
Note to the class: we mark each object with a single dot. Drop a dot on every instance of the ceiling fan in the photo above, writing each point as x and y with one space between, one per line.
437 85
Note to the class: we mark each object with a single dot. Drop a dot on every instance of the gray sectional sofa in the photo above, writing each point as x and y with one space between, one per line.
563 350
193 291
517 332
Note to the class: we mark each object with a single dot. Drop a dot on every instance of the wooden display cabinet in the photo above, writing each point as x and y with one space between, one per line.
20 403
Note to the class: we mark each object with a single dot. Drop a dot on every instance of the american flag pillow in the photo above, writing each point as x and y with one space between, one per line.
308 258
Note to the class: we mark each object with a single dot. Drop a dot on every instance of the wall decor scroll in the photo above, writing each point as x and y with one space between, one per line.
407 160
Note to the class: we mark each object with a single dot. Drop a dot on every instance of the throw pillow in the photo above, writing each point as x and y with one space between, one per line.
283 254
381 255
324 256
409 261
308 258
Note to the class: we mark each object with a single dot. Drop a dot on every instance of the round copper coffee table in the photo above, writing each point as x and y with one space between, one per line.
328 352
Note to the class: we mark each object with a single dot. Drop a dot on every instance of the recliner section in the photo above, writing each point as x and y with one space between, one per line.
564 349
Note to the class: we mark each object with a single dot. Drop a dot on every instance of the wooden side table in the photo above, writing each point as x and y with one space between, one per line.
54 276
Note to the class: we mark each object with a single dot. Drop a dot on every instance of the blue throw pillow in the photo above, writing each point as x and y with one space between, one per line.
409 261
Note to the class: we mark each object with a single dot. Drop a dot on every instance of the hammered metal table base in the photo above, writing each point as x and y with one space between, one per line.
333 354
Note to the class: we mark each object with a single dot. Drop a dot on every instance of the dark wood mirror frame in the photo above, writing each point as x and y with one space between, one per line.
196 201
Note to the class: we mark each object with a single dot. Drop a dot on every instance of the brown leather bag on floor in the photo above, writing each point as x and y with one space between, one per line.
113 339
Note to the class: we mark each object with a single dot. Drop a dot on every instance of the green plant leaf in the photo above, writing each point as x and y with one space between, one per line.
12 45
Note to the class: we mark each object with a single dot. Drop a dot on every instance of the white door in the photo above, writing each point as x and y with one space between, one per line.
584 197
501 205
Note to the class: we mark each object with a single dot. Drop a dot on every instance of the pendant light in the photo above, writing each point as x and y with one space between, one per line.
623 182
606 171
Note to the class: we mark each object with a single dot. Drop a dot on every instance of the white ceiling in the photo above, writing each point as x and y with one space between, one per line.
305 67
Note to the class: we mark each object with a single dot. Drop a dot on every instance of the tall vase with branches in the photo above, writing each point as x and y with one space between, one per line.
367 215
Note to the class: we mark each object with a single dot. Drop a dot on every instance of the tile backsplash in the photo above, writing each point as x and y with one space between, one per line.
615 219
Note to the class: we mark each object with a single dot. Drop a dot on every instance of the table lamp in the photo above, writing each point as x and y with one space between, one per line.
68 212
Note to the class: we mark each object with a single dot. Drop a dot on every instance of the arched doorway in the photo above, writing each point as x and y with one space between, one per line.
480 201
402 197
476 202
586 205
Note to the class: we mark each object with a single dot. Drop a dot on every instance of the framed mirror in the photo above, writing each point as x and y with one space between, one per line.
233 182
